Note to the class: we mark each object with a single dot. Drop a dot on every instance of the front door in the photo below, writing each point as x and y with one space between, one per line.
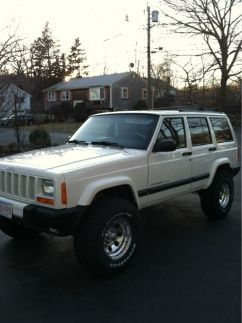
170 172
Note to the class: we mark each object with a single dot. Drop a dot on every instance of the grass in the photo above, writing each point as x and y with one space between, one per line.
63 127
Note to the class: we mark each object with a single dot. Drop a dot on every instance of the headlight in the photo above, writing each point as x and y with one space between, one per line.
48 187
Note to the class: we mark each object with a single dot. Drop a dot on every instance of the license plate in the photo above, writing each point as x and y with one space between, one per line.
6 209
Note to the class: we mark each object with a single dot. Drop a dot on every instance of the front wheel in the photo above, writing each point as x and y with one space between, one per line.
217 200
108 241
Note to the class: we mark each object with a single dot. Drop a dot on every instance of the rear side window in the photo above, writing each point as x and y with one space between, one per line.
221 129
200 134
173 128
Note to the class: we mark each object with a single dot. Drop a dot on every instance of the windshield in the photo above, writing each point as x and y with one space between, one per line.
121 130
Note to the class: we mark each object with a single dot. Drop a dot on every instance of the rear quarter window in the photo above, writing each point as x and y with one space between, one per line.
221 129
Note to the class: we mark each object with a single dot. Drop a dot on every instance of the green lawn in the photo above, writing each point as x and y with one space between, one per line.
64 127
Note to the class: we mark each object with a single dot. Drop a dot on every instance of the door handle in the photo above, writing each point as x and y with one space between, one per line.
187 153
212 149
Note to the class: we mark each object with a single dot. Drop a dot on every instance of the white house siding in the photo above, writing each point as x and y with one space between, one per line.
7 102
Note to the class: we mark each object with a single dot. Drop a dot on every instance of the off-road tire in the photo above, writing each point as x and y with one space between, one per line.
108 240
217 200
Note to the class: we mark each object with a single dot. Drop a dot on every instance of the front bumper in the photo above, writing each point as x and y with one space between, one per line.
61 222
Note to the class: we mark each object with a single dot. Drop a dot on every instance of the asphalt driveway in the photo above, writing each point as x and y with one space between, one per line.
188 270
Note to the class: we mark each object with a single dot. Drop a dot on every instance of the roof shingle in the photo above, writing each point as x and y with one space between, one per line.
87 82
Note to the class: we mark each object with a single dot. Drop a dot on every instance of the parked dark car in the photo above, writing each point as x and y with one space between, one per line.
20 119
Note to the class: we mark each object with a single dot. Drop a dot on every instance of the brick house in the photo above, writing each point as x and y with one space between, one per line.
119 91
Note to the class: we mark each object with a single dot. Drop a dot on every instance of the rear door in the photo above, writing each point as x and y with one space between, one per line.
203 150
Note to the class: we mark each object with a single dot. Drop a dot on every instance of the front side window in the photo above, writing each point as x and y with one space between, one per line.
124 93
221 129
51 96
200 134
65 95
173 128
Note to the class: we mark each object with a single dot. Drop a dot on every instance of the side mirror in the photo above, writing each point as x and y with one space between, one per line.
165 145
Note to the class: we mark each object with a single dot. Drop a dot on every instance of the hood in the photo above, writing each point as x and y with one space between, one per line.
59 156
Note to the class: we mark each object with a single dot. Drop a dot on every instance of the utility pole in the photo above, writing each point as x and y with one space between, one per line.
149 92
149 89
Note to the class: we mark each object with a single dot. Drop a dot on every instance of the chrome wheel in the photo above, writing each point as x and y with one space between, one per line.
117 238
224 196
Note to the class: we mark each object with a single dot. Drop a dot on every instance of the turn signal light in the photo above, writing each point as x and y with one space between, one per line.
45 200
63 193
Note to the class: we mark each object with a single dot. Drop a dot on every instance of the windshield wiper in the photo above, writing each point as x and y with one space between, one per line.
74 141
107 143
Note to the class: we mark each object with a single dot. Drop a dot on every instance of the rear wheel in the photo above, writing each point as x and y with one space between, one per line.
216 201
108 241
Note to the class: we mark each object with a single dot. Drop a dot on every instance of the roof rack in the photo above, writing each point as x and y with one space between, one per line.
191 108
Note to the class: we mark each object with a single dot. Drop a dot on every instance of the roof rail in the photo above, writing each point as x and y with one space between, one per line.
191 108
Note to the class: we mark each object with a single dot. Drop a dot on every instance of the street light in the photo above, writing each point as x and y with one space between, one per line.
154 18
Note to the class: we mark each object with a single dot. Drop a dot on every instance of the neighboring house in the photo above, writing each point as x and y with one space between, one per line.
13 99
164 94
119 91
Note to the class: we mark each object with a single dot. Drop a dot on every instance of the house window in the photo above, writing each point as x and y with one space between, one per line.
65 95
144 94
124 93
160 93
172 92
96 93
51 96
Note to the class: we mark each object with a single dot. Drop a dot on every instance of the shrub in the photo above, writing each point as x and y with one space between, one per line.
39 138
140 105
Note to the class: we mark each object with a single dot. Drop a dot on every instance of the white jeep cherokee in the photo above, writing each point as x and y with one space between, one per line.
116 164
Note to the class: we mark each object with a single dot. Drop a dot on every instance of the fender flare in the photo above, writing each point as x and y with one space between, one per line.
93 188
216 165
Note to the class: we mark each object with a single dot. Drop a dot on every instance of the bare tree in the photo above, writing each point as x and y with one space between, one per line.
191 78
12 104
219 23
9 48
163 70
20 61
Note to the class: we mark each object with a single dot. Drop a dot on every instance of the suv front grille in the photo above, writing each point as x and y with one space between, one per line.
19 185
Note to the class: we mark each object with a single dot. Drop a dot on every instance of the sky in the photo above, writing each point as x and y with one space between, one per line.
113 33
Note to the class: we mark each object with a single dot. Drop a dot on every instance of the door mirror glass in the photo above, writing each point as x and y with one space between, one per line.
165 145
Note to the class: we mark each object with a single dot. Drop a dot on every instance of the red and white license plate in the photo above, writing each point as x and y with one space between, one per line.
6 209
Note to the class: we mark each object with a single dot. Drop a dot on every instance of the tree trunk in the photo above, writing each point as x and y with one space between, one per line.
223 92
